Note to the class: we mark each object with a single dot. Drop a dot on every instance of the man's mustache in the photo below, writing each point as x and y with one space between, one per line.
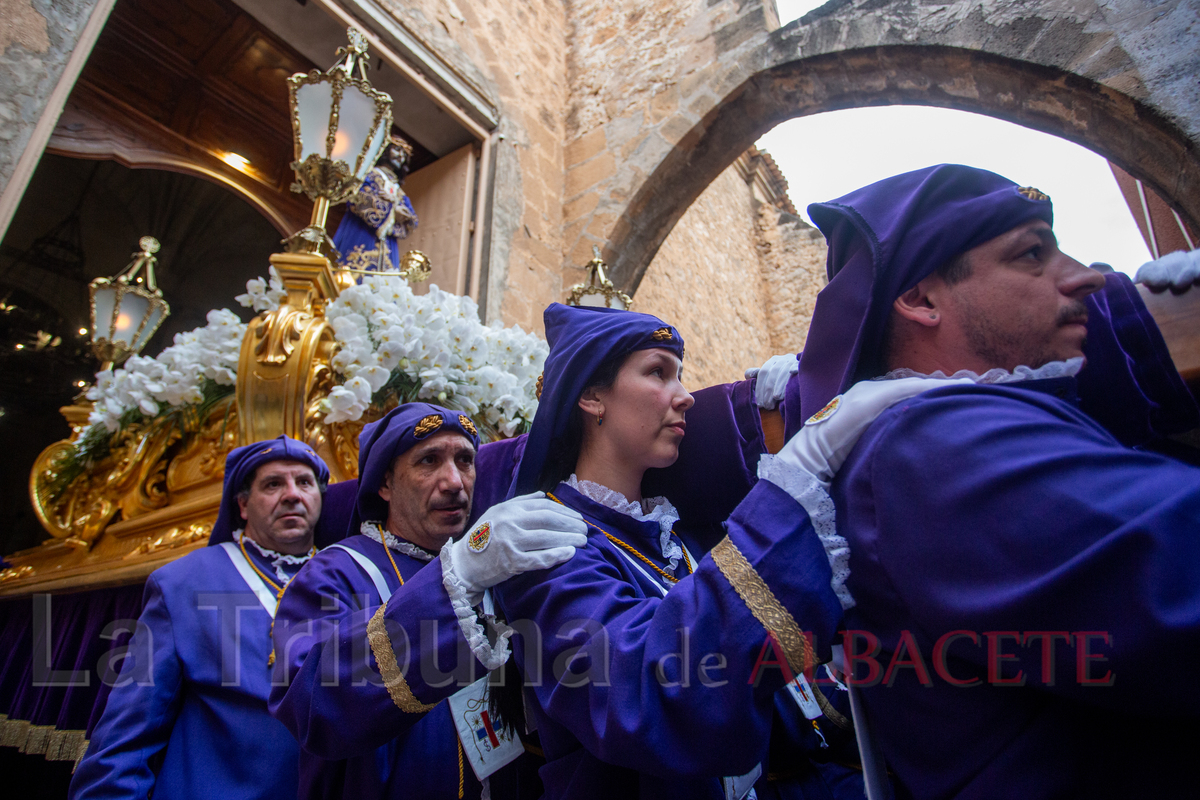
1074 312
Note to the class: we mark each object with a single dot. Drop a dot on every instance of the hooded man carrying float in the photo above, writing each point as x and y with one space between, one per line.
381 641
188 716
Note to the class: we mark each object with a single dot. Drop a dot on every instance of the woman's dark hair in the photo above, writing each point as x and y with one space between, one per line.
564 451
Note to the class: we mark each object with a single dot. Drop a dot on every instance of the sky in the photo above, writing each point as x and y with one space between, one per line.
824 156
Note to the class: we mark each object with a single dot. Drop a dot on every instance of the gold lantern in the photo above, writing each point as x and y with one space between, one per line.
599 290
340 125
127 309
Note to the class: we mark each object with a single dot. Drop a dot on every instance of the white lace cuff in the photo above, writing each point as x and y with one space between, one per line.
812 495
492 656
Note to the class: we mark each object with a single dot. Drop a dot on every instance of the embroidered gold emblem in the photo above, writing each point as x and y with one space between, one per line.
662 335
427 425
361 258
1032 193
826 412
541 380
479 538
467 424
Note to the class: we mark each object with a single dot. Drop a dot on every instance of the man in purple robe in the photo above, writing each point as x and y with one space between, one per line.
379 660
1023 589
188 717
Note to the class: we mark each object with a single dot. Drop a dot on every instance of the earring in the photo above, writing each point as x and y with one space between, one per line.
933 316
600 419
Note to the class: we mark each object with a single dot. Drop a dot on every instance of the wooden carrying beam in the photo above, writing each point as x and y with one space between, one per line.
1177 315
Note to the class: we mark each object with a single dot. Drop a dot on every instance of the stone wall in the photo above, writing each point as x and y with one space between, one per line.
738 277
36 40
632 65
793 270
515 52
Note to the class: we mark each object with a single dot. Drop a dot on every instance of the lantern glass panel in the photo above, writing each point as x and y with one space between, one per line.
354 126
313 104
157 312
133 309
592 300
378 142
104 298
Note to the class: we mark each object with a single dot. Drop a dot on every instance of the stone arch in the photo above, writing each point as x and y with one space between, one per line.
1076 69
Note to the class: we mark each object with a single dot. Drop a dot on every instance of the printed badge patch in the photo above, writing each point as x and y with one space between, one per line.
826 412
479 538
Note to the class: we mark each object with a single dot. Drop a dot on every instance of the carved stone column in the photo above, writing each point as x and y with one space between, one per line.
284 369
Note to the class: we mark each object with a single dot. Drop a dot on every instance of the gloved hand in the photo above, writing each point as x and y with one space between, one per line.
526 533
773 378
1177 271
821 446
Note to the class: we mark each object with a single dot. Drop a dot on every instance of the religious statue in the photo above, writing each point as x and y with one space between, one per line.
378 215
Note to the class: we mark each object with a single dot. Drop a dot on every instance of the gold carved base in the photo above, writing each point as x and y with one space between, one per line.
155 495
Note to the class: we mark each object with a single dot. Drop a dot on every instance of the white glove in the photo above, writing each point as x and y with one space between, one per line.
526 533
1177 270
821 446
773 378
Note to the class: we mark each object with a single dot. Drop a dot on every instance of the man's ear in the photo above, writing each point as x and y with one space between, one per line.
242 503
385 488
920 303
590 402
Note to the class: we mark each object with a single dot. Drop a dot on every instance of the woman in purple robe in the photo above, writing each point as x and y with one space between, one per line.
653 669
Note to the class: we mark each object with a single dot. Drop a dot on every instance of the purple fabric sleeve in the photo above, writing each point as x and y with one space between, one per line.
977 509
1130 385
717 462
694 720
142 712
326 688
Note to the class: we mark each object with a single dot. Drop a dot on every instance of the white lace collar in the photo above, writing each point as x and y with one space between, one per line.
650 509
1055 369
373 530
278 560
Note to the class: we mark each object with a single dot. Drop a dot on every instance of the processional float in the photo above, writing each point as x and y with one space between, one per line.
149 493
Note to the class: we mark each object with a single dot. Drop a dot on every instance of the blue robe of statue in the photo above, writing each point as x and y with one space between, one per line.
188 717
377 217
639 713
1006 514
328 691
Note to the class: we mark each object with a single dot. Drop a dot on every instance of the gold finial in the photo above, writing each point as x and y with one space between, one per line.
415 266
149 245
354 56
599 290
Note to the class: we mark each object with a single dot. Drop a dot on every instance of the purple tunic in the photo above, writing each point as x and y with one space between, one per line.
987 523
328 692
188 717
655 717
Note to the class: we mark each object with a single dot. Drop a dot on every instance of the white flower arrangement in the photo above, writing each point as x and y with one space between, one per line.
175 377
430 347
263 295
